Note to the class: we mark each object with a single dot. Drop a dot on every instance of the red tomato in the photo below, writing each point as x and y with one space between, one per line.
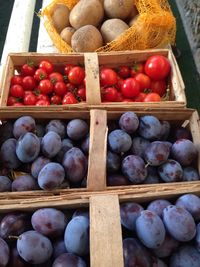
18 104
55 77
16 79
140 97
70 87
28 69
28 92
60 88
137 68
82 93
67 68
124 72
127 100
43 97
157 67
143 80
28 83
11 100
152 97
40 74
130 88
110 94
56 100
108 77
17 90
159 87
120 97
76 75
45 87
42 103
30 99
47 66
119 84
69 98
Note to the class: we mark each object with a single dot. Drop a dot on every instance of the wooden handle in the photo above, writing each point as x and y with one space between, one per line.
105 232
96 179
93 95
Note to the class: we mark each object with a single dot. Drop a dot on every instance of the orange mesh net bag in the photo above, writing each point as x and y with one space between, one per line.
155 27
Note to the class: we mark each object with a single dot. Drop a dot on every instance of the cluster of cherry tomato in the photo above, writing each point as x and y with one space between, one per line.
143 82
43 85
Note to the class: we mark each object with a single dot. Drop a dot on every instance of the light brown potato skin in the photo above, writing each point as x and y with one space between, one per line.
66 34
60 17
86 39
86 12
119 9
134 12
112 28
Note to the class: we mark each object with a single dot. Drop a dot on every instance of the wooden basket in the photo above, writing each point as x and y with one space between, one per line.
92 63
96 178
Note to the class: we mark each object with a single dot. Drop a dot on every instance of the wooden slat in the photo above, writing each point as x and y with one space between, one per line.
96 178
105 232
45 44
93 95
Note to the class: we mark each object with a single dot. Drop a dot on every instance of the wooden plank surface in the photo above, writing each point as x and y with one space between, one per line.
45 44
96 178
105 232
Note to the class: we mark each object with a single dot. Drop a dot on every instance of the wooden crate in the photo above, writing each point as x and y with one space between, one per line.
96 178
105 228
98 127
92 63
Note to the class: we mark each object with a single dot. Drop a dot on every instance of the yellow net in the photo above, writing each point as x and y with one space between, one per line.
154 27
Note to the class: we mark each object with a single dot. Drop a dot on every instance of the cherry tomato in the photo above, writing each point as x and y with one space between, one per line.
11 100
110 94
67 68
152 97
159 87
28 83
144 81
70 87
157 67
124 72
16 79
82 93
60 88
108 77
42 103
136 68
28 69
127 100
43 97
18 104
119 84
76 75
16 90
56 100
130 88
55 77
45 87
69 98
40 74
30 99
120 97
140 97
47 66
28 92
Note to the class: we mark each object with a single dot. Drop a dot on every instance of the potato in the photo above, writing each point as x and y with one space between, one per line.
66 34
134 12
119 9
86 39
60 17
112 28
132 21
86 12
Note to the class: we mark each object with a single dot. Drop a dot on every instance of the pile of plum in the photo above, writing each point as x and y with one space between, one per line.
44 156
163 234
47 237
147 150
